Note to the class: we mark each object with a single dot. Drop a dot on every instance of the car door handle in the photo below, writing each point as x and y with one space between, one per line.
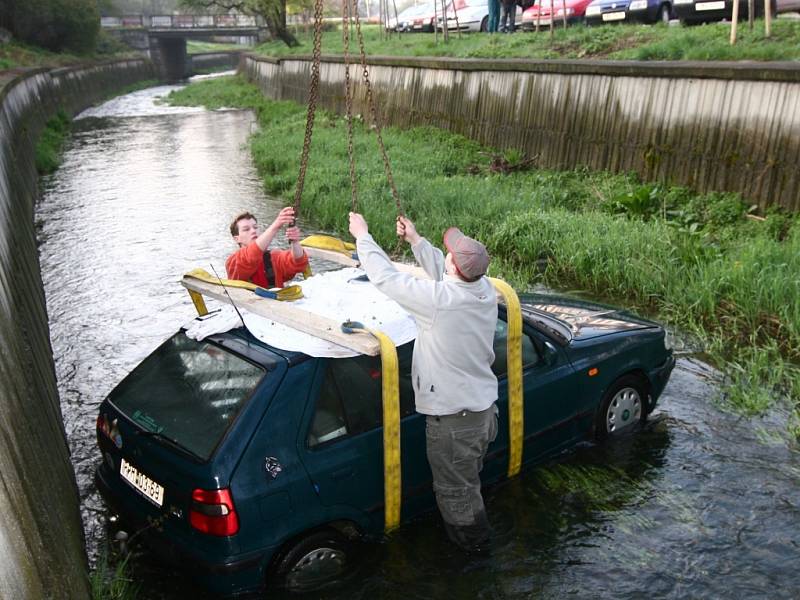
342 473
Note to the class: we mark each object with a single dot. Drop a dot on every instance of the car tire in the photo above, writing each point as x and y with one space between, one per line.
312 562
623 406
663 14
484 24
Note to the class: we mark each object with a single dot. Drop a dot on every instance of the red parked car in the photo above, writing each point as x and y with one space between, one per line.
544 9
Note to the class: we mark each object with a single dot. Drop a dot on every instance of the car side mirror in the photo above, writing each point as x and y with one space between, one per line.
550 354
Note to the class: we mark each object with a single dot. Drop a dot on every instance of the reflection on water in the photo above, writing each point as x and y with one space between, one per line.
699 504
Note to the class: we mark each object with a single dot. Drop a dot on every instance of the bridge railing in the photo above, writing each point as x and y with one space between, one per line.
182 21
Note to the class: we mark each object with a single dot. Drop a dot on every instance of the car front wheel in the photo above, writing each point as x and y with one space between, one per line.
623 406
485 24
313 562
663 14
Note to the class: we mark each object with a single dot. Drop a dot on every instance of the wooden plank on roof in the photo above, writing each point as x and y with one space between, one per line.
337 257
287 314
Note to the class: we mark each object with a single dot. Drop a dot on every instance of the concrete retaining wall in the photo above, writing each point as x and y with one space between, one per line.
42 551
212 60
711 126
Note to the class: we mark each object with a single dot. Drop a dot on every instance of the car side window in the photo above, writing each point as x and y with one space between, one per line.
530 356
350 401
328 423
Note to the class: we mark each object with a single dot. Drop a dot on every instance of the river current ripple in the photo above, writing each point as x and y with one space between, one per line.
700 503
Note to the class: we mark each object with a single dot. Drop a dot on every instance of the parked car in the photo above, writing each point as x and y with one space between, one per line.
405 20
692 12
248 466
575 10
425 18
471 15
642 11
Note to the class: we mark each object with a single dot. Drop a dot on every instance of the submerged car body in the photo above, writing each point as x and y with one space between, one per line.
626 11
245 463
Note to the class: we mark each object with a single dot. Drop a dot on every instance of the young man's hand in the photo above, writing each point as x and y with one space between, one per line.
358 225
407 231
285 217
293 234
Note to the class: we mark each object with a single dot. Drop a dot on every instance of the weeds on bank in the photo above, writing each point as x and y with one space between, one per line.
618 41
50 143
696 261
112 582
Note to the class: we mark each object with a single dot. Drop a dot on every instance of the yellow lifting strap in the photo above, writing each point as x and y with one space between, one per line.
285 294
514 358
390 391
327 242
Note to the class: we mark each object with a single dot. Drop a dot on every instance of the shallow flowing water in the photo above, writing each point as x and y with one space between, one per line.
700 503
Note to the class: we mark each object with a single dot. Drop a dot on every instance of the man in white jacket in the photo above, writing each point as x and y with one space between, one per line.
456 315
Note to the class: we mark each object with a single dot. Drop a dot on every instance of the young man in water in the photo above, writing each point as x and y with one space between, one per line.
255 262
451 373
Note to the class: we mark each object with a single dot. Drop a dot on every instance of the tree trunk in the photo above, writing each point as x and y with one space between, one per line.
276 23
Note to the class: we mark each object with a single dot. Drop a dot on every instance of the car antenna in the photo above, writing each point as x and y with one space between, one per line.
236 308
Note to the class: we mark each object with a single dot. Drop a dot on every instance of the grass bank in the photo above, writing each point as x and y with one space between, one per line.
695 261
51 142
15 54
618 42
197 47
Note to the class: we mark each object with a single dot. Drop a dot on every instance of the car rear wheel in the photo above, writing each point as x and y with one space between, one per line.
313 562
485 24
623 406
663 14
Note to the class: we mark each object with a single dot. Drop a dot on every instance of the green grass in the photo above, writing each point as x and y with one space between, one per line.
196 47
112 582
621 41
15 55
695 261
51 142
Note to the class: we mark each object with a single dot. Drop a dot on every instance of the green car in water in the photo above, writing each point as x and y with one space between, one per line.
250 466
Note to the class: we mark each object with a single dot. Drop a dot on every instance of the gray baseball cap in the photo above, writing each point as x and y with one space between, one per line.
470 256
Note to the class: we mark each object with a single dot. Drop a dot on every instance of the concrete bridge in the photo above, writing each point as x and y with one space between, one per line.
164 36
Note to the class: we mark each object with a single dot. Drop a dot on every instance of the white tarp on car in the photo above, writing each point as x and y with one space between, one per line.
336 295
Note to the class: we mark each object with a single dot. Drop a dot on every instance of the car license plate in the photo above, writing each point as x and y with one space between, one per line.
542 21
720 5
142 483
615 16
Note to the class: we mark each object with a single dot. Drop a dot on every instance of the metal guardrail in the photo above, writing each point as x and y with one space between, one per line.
181 21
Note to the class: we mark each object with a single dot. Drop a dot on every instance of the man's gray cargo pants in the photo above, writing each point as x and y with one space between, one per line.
456 445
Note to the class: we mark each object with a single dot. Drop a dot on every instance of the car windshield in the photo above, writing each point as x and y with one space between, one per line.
187 393
563 331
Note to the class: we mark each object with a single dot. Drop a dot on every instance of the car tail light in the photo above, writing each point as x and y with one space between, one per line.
102 424
212 512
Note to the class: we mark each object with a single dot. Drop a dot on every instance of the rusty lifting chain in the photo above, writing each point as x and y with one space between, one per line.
313 94
349 10
348 95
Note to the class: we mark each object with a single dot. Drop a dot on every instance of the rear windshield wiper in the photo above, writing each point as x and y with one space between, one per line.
167 440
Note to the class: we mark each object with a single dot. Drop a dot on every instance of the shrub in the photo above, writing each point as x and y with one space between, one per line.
56 24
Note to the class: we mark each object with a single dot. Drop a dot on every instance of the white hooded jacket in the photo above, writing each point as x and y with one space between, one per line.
456 320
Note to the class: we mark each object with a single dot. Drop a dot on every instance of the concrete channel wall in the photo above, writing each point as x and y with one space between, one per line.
42 553
711 126
214 60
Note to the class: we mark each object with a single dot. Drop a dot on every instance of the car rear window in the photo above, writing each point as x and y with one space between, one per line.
187 392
